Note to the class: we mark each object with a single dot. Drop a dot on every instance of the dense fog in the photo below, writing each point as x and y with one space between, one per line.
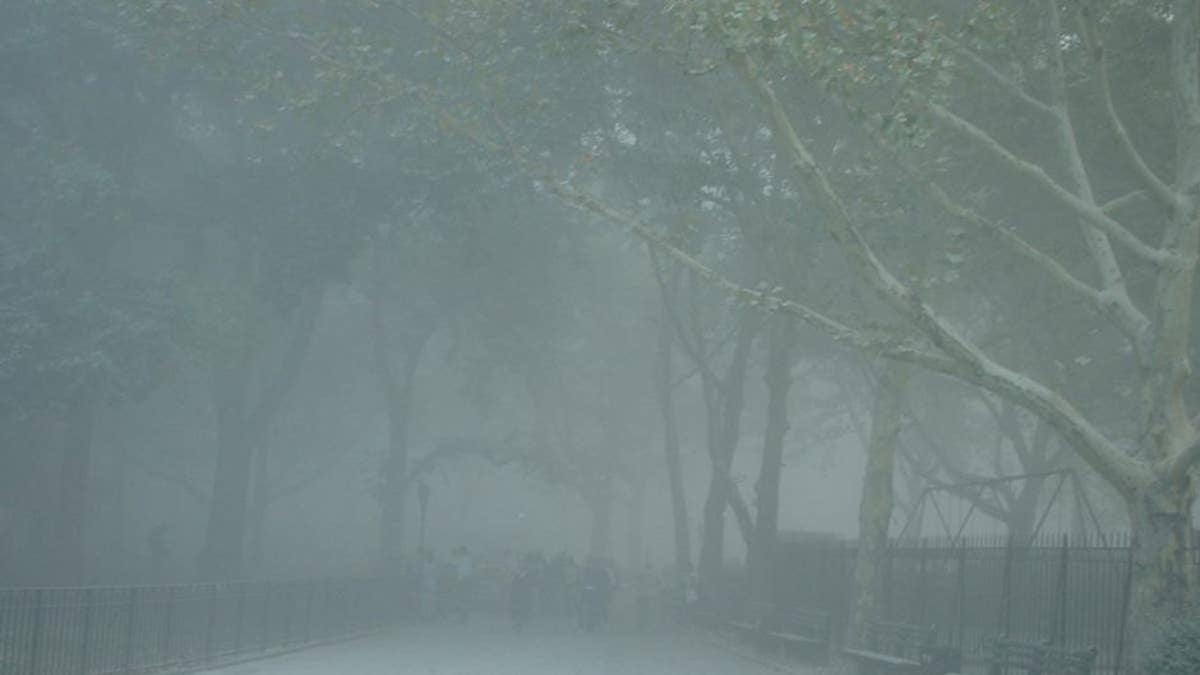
650 328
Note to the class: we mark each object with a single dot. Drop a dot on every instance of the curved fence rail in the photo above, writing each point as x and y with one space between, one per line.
138 629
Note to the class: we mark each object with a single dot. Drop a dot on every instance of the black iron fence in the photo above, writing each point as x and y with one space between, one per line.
88 631
1073 594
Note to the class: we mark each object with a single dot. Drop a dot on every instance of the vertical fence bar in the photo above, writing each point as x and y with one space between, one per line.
130 619
1058 634
35 638
1119 663
289 605
961 609
265 619
240 620
922 581
889 556
211 623
1006 588
309 589
85 638
164 640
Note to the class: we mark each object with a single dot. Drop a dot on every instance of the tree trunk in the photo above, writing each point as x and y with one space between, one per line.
70 524
725 413
1024 511
875 507
222 555
240 428
397 395
1164 579
600 505
260 503
712 539
683 544
637 517
766 525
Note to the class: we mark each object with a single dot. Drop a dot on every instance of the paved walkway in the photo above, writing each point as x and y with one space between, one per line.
489 647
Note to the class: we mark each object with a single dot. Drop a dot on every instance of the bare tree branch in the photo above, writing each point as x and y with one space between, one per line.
179 480
1089 212
1124 472
1099 59
1124 200
1000 78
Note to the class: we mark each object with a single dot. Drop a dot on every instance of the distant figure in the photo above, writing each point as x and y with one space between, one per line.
558 590
156 545
447 588
596 594
427 574
464 567
521 595
647 596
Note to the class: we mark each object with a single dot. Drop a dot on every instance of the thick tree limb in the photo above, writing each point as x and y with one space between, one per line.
1107 265
276 391
179 480
1099 60
741 513
1011 85
1117 306
1124 200
1122 471
1089 212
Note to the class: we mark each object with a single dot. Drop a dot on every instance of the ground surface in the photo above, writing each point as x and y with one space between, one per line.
489 647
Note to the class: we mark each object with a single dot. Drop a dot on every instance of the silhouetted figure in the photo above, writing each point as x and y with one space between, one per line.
596 593
524 586
464 568
427 578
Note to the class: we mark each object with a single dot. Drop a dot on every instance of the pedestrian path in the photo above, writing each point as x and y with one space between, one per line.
489 647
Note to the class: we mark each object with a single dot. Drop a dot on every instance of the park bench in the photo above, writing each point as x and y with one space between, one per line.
753 623
1008 657
802 631
901 648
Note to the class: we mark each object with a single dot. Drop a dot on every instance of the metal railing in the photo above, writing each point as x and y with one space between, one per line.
1073 593
134 629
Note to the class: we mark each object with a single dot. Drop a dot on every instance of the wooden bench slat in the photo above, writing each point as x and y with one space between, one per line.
881 658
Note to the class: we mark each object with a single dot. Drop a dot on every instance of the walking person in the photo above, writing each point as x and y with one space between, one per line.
596 594
521 595
464 566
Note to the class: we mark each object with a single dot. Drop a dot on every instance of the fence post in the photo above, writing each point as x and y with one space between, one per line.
85 640
326 609
922 582
289 604
1058 634
164 643
265 620
35 638
889 555
240 621
130 620
211 624
1006 590
962 593
1119 664
310 588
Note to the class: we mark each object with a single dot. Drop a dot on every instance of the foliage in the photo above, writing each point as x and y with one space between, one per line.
1177 651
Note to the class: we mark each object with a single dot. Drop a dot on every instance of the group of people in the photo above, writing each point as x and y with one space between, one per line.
445 588
561 588
533 586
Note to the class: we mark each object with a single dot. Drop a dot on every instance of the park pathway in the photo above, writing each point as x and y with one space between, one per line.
489 647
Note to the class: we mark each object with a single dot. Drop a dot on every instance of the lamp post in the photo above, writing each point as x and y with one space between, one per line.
423 502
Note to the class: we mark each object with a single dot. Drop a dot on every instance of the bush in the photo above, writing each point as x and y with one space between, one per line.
1177 651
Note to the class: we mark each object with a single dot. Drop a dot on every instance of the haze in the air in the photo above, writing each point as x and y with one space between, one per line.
599 336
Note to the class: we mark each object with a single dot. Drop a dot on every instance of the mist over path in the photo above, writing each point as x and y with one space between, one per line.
488 647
